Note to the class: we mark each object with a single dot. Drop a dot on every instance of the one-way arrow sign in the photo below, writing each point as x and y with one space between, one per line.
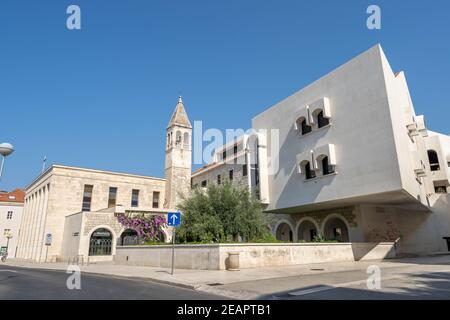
173 219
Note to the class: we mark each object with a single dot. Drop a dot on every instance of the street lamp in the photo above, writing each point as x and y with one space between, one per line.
8 236
5 150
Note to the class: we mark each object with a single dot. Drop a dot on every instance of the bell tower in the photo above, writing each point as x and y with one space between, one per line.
178 164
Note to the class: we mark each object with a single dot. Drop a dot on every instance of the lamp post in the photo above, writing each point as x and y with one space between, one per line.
8 236
5 150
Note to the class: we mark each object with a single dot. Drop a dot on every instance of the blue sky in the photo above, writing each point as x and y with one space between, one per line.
101 97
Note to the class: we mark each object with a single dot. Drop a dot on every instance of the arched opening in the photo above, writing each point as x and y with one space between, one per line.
307 231
186 140
321 120
336 229
302 126
284 233
100 243
434 160
178 138
326 167
306 168
128 237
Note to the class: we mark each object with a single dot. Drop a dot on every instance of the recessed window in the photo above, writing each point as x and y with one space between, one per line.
204 183
230 175
304 127
155 199
321 120
440 189
9 215
135 198
87 197
112 197
235 149
326 167
219 179
434 160
310 174
224 155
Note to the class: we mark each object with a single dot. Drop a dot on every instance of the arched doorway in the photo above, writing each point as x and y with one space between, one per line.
100 243
307 231
284 233
128 237
336 229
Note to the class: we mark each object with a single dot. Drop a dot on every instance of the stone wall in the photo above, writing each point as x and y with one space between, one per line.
214 257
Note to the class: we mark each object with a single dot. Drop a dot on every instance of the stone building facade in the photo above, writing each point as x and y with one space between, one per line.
11 207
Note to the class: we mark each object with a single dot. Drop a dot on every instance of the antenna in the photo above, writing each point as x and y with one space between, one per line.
43 163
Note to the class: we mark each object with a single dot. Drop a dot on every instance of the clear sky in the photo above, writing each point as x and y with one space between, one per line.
101 97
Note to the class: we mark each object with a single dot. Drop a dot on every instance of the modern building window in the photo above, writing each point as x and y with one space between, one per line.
244 170
434 160
204 184
9 215
321 120
230 175
135 198
440 189
219 179
305 128
326 167
310 174
155 199
87 197
112 197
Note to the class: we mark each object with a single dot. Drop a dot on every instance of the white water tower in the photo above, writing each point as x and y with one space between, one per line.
5 150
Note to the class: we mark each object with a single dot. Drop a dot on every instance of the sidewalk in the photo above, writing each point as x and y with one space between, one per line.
212 280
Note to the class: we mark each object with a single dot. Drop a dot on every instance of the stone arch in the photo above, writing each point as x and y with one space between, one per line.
284 231
186 140
306 229
336 227
106 245
128 237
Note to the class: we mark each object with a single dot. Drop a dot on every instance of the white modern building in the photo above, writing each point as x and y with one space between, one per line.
355 163
11 206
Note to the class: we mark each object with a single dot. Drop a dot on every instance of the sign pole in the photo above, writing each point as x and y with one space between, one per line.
173 249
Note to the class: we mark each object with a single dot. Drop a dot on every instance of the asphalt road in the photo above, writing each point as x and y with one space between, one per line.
21 283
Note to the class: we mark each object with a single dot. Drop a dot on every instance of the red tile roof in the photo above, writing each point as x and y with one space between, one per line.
17 195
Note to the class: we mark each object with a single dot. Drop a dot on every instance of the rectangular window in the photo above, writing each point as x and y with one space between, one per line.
440 189
235 149
87 197
224 154
9 215
155 199
244 170
204 184
112 197
135 198
231 175
219 179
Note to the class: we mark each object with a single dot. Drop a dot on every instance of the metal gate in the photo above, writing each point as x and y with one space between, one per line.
100 243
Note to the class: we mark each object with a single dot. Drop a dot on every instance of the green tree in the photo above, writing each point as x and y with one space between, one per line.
222 213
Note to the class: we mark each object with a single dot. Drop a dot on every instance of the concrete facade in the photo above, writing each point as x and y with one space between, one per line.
375 150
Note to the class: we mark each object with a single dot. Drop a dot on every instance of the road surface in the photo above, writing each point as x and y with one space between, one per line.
22 283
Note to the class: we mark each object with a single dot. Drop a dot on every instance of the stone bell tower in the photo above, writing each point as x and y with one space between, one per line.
178 163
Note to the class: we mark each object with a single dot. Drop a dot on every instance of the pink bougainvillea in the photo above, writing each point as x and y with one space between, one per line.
148 228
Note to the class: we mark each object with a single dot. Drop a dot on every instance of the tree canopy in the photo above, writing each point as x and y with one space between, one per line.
222 213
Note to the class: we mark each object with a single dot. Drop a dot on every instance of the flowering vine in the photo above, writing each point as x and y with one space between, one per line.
148 228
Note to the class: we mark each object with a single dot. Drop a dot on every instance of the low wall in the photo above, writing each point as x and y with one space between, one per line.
214 257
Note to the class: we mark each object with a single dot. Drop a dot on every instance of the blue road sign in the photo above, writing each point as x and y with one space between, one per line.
173 219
